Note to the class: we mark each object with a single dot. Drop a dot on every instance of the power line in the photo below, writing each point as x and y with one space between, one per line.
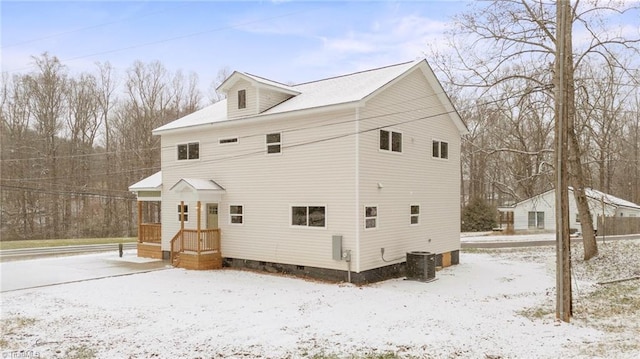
69 193
137 18
222 28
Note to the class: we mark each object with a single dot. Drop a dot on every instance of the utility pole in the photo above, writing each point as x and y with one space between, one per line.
563 248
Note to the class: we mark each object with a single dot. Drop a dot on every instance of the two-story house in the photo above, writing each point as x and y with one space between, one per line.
337 178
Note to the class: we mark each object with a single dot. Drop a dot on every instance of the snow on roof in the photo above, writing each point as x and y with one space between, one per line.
272 83
200 184
341 89
153 182
609 199
208 115
332 91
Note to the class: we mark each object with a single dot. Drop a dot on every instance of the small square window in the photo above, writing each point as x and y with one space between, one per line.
396 142
242 99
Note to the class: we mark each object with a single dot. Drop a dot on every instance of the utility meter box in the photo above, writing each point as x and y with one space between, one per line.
337 247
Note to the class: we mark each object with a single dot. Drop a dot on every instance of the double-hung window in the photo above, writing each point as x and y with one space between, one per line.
370 217
274 143
236 214
415 214
390 141
309 216
440 149
189 151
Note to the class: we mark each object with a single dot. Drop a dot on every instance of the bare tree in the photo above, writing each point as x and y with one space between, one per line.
214 95
512 42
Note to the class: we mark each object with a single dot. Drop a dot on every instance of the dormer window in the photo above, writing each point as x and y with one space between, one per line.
242 99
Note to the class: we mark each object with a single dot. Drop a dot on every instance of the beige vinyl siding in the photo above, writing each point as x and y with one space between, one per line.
269 98
412 177
251 100
311 171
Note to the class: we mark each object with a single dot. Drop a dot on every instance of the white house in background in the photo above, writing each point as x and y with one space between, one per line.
337 178
538 212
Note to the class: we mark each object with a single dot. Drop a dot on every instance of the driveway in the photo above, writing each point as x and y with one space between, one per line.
41 272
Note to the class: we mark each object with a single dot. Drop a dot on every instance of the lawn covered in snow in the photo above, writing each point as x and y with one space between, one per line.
495 303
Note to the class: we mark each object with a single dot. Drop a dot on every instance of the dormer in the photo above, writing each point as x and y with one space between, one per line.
249 95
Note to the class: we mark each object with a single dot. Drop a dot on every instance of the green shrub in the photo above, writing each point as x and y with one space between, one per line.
478 216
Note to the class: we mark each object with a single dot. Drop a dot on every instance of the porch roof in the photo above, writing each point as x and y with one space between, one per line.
198 189
198 184
151 183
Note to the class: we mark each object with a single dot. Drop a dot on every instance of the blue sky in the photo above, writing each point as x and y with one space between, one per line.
286 41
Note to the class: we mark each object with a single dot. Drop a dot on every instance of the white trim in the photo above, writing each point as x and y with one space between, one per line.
357 189
307 226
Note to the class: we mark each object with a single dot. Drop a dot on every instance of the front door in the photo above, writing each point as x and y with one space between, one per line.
212 215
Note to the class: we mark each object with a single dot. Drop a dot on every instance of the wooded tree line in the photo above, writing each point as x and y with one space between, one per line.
501 76
73 143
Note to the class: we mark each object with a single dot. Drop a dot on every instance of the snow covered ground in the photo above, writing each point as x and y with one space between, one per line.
496 303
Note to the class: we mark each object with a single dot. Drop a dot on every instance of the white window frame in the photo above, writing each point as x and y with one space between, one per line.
326 216
375 218
186 213
390 150
187 144
440 142
412 215
230 141
269 144
241 215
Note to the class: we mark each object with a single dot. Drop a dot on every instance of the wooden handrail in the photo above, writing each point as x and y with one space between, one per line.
150 233
187 240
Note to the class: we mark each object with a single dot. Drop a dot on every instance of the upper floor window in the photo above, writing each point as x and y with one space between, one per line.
223 141
440 149
390 141
189 151
242 99
308 216
274 143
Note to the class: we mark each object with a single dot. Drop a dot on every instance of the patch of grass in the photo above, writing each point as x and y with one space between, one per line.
11 327
39 243
80 352
538 312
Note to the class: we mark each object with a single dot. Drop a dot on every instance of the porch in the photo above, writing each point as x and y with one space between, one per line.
190 248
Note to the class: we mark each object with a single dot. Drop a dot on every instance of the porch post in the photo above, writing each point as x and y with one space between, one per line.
139 221
198 225
181 226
